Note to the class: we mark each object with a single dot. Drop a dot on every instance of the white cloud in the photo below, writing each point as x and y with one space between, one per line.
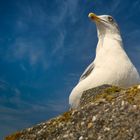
59 43
29 50
35 50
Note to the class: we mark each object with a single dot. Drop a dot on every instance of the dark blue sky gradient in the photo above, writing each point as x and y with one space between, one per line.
45 46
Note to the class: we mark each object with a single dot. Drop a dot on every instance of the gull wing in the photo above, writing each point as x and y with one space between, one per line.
87 72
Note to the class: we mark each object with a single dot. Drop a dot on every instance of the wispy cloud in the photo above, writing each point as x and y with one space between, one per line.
24 49
3 84
59 44
35 49
17 112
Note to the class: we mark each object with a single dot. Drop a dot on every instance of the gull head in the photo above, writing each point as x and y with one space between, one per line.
106 25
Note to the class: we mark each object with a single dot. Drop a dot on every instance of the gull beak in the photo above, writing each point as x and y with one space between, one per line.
94 17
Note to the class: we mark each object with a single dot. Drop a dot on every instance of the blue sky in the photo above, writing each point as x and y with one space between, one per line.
45 46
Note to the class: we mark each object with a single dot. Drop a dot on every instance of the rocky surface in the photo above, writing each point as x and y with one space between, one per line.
105 113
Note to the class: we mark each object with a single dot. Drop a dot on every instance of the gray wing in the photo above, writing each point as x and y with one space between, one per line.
87 72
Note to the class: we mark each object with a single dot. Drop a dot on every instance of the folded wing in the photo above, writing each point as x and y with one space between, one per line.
87 72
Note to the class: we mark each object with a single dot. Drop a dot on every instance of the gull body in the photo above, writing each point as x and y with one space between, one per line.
111 64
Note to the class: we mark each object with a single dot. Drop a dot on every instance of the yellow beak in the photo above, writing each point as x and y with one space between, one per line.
94 17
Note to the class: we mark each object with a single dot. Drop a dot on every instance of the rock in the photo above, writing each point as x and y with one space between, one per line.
105 113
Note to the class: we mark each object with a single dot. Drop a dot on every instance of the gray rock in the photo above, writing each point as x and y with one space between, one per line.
105 113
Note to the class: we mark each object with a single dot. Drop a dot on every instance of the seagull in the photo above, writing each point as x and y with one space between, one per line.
111 64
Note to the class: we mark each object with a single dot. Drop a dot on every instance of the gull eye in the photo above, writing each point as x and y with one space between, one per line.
110 19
